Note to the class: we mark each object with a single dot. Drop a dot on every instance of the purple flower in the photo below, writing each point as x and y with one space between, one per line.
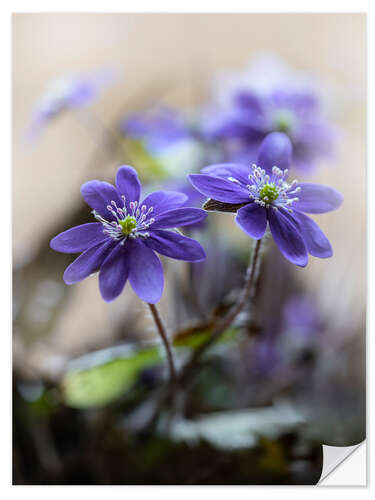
160 128
301 313
122 244
163 142
280 101
262 194
67 93
265 356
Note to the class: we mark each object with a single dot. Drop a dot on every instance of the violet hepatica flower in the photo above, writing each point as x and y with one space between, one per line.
70 92
269 98
159 128
121 245
262 194
168 136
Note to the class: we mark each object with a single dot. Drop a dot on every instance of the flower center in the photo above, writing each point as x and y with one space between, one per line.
128 224
284 121
128 221
271 190
268 193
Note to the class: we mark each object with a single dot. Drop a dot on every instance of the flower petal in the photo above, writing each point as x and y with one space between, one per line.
250 101
146 272
176 246
88 262
113 273
225 170
128 184
252 219
99 194
79 238
275 150
316 242
287 238
317 199
179 217
219 189
164 200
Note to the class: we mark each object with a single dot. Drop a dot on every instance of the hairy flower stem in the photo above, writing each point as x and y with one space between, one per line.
163 335
233 312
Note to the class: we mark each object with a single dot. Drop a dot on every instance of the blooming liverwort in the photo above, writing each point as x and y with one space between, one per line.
70 92
122 244
166 136
269 98
263 194
160 128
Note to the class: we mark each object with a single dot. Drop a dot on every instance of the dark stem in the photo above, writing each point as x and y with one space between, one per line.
163 335
231 315
168 396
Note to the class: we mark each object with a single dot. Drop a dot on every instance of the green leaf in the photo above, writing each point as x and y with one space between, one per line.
194 339
148 166
101 384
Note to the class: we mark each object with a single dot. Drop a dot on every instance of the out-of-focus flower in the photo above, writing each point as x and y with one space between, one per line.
163 142
70 92
265 356
267 97
172 148
159 128
262 194
301 316
123 242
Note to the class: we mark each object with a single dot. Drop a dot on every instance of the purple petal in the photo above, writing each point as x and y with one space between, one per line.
176 246
301 314
128 184
162 201
99 194
315 240
146 272
252 219
304 166
219 189
275 150
113 273
88 262
246 154
79 238
287 238
317 199
225 170
249 100
179 217
82 93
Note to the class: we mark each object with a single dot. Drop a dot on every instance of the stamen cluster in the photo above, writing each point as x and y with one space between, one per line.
272 190
131 223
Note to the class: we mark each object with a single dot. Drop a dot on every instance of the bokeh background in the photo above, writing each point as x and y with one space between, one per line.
172 59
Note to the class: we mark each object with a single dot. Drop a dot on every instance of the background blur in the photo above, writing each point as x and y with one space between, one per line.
170 58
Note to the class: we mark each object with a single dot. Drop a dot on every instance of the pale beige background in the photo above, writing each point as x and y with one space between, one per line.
175 56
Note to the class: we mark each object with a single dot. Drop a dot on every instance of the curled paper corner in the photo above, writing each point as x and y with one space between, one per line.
344 465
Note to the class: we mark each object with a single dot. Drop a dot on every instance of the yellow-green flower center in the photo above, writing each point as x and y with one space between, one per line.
128 224
268 193
284 121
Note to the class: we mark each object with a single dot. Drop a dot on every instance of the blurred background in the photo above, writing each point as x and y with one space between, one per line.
294 375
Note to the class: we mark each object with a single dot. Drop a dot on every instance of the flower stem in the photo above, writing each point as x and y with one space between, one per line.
185 375
163 335
224 324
